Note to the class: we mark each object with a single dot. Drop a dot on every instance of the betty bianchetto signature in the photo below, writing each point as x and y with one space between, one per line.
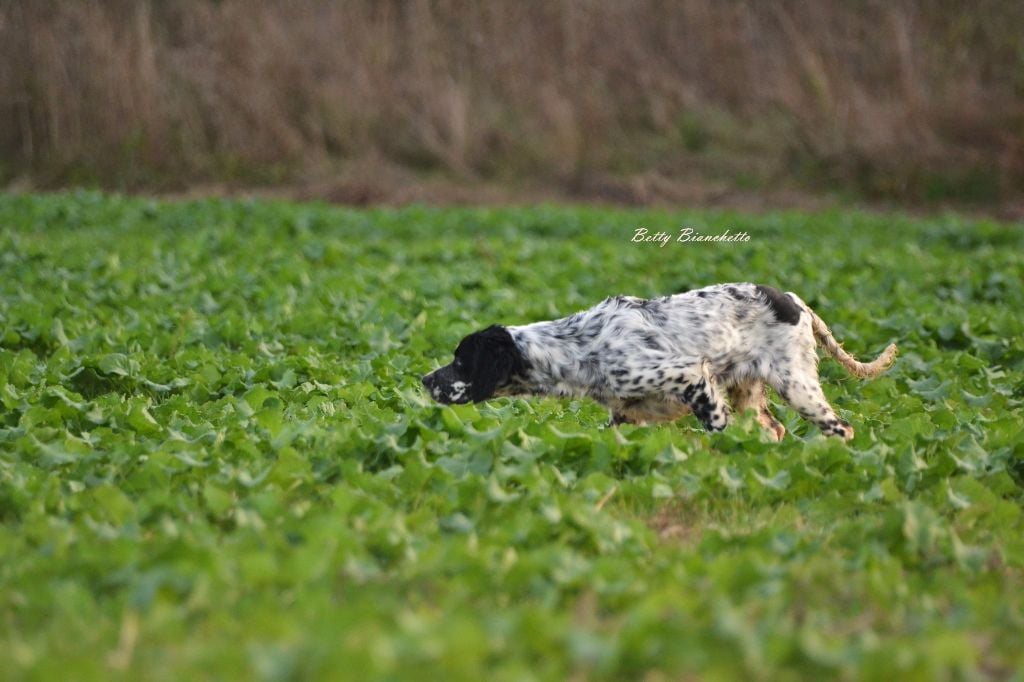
642 235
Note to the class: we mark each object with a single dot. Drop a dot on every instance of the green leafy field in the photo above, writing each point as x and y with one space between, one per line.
216 460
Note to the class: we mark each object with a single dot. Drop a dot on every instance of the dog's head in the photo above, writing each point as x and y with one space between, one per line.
485 363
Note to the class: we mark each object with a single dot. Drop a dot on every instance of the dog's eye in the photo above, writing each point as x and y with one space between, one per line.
457 364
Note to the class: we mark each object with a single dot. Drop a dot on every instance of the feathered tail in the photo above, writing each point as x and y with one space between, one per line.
864 370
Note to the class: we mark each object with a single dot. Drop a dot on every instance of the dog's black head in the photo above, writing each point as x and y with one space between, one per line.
485 362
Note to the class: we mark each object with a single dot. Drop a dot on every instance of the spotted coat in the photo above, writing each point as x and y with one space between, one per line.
708 352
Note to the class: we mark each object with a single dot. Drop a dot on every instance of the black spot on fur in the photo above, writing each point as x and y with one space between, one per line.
652 311
688 393
704 410
590 365
783 307
651 341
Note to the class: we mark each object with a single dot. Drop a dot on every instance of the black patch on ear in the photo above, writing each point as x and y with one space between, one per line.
492 359
783 307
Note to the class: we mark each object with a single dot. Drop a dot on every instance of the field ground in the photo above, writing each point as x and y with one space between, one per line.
216 460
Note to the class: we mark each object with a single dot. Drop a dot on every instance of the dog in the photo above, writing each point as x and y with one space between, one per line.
708 352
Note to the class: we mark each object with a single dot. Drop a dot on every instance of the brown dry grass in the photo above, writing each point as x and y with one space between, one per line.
675 522
906 99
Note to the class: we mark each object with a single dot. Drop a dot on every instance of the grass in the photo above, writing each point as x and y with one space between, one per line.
216 460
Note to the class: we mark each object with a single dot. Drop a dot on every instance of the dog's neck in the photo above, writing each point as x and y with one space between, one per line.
550 351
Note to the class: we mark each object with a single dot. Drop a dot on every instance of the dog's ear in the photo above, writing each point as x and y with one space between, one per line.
493 357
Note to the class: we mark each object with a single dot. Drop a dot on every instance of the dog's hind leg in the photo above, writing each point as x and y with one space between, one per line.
751 395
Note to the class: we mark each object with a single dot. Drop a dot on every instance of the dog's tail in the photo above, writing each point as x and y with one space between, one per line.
864 370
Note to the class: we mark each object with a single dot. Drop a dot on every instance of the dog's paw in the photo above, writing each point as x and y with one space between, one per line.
838 427
772 426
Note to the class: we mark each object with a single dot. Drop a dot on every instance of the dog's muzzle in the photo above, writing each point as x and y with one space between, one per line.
430 383
444 387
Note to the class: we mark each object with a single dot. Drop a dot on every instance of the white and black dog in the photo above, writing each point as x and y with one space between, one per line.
659 359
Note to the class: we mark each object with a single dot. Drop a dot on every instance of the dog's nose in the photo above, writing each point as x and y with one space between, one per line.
426 381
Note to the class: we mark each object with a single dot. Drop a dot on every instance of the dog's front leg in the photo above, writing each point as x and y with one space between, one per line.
695 388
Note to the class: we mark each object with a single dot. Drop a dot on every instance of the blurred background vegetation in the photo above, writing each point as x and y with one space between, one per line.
638 101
